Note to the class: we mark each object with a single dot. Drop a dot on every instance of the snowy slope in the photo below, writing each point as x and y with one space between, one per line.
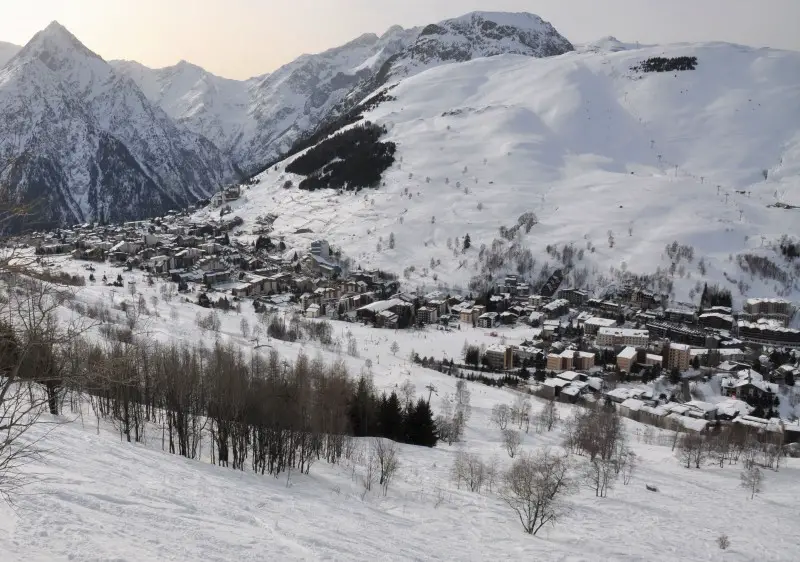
256 120
87 141
7 52
99 498
590 147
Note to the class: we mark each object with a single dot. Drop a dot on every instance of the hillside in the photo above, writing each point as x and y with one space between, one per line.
615 163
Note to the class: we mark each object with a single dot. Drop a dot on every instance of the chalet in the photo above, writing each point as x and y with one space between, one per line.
679 315
702 410
488 320
427 315
313 311
551 388
508 318
643 299
556 308
573 296
732 408
321 266
716 321
387 319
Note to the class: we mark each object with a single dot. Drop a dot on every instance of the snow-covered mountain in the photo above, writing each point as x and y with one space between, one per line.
7 52
254 121
257 120
82 142
208 105
615 164
475 35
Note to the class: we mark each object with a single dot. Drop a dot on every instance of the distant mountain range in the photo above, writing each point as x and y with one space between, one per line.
257 120
85 139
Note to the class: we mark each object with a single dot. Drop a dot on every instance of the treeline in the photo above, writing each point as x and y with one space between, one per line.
762 266
789 248
409 422
264 414
666 64
351 159
330 126
715 296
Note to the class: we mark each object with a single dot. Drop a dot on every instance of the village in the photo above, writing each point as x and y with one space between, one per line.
667 366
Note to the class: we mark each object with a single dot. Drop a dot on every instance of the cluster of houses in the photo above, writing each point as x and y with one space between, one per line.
577 339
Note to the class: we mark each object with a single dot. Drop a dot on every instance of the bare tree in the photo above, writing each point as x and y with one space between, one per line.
244 326
535 487
371 467
723 542
692 449
599 475
752 480
469 469
548 417
629 467
408 391
394 348
512 440
33 376
387 453
521 411
501 414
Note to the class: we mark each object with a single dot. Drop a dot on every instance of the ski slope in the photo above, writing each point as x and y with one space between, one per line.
95 497
589 146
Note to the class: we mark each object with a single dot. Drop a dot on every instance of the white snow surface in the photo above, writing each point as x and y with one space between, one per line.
591 148
95 497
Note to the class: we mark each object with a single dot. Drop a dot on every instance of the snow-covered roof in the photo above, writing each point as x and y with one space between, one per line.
379 306
623 332
556 382
569 375
574 389
628 353
732 408
497 348
598 321
633 404
702 406
693 424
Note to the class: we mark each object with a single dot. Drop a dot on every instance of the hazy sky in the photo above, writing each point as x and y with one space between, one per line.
242 38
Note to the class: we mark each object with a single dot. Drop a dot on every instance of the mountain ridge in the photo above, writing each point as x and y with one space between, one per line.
275 110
